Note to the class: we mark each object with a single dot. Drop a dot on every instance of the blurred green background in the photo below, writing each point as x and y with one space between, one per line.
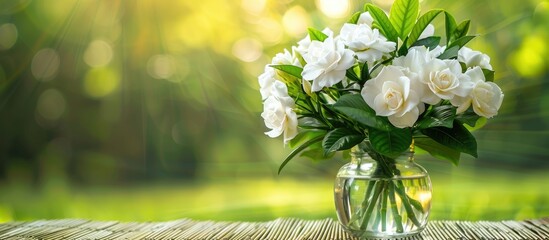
149 110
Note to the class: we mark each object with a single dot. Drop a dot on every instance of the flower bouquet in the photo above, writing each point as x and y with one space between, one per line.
382 87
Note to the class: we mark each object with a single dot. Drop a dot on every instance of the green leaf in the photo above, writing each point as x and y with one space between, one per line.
458 138
382 22
298 150
403 16
451 26
461 41
390 143
488 74
429 42
365 73
354 18
468 117
341 139
440 116
462 29
290 69
352 75
421 24
354 106
317 35
304 136
438 150
449 53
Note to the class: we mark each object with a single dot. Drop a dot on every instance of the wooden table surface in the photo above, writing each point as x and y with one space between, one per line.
283 228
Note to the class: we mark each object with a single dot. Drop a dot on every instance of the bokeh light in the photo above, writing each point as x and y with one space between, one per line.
51 104
100 82
98 54
296 21
45 64
334 8
8 35
161 66
247 49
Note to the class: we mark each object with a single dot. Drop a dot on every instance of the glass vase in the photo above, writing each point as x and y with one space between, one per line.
381 197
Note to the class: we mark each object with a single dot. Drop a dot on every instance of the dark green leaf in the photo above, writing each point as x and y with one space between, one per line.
341 139
451 26
468 117
352 75
462 29
354 106
290 69
317 35
382 22
403 16
421 24
458 138
461 41
440 116
429 42
354 18
449 53
298 150
365 73
390 143
438 150
488 74
403 50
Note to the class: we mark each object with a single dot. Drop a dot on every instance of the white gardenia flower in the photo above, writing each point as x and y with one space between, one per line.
486 97
473 58
266 81
303 45
278 113
366 18
368 44
413 65
445 80
327 63
391 93
286 58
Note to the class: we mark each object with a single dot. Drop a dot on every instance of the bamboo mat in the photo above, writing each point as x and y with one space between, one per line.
283 228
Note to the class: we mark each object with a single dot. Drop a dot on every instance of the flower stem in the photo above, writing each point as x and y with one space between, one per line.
384 208
394 208
379 185
406 202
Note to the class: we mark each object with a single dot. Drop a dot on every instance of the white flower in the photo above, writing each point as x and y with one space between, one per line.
327 63
437 51
365 18
473 58
303 45
445 80
413 65
278 113
368 44
286 58
486 97
392 94
266 81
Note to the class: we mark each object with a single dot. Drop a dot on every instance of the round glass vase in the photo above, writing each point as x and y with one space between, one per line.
382 197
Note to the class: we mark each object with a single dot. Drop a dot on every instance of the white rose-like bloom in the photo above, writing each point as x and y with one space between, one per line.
327 63
266 81
365 18
368 44
303 45
445 80
286 58
391 93
413 65
473 58
278 113
486 97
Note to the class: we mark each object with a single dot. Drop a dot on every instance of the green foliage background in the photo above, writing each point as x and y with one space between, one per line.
149 110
